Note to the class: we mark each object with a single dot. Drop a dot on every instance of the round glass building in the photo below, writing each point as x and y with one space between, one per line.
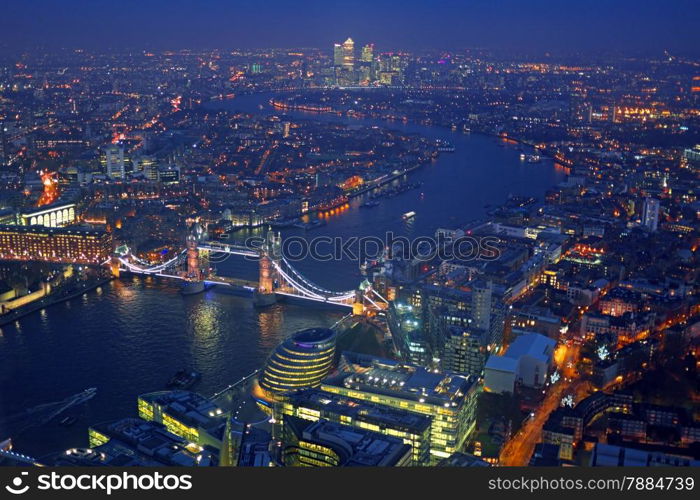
301 361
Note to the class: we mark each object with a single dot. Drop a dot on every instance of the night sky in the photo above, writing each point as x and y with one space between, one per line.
527 25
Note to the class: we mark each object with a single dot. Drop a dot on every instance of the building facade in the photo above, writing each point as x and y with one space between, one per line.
64 245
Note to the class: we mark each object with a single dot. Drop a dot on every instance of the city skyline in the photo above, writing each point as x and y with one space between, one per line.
543 26
363 253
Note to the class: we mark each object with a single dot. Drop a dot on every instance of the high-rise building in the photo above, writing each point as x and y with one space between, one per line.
300 362
115 166
148 165
349 54
464 351
408 334
4 145
367 55
650 215
337 55
448 398
479 309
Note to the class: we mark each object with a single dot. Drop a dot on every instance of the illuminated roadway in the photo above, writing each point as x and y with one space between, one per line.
519 448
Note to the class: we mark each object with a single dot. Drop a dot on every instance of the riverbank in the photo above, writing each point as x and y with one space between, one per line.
127 339
51 300
329 110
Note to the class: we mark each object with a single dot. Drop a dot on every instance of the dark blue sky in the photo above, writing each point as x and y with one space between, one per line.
530 25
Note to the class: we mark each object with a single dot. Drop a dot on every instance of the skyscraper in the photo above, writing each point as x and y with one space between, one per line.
349 54
366 66
337 55
4 146
367 53
650 214
114 162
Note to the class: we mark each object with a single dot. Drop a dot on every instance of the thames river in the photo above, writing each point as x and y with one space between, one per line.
129 336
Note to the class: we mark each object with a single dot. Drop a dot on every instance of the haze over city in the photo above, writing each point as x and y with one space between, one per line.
526 26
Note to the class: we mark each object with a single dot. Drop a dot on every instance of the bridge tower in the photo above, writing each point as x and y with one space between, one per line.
358 306
270 253
193 267
114 266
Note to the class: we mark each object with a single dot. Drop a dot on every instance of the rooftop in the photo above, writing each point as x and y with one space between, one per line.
188 407
133 436
355 447
361 410
404 381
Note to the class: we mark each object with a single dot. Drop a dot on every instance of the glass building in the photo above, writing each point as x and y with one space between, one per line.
300 362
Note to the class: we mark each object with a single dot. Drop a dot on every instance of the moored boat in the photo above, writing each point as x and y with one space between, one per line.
184 379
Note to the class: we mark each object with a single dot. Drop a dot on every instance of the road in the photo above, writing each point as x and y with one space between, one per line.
518 450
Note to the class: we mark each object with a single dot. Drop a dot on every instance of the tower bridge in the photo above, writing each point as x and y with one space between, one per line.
276 276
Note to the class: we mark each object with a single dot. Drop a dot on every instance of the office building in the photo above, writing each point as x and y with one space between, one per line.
169 174
367 55
448 398
337 55
407 334
300 362
348 49
245 446
650 215
477 311
186 414
114 162
328 444
465 351
135 442
314 404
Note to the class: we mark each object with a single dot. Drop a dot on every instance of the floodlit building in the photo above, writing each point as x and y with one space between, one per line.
300 362
314 404
54 215
135 442
448 398
186 414
67 245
